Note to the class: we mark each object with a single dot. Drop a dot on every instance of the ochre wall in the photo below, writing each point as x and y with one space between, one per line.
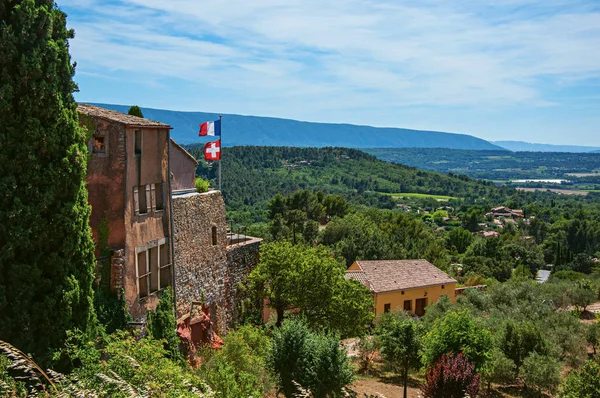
396 299
106 181
183 169
150 168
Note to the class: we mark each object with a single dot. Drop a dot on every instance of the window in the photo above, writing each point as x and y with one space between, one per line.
443 286
99 143
214 235
158 196
407 305
402 292
153 268
137 139
143 274
387 307
141 196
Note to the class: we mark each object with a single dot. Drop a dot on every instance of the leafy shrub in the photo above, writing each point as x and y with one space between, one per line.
584 383
459 332
201 185
241 368
541 371
520 339
367 347
118 365
163 326
315 361
453 376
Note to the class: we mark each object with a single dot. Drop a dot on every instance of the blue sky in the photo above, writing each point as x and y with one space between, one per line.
497 69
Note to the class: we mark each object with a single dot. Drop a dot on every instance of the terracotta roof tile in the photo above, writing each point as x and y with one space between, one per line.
128 120
359 276
392 275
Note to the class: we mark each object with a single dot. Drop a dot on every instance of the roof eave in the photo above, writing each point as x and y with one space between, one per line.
415 287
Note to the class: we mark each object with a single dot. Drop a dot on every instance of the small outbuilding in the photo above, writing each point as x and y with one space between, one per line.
409 285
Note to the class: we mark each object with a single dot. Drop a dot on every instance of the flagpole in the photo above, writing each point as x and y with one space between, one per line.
221 146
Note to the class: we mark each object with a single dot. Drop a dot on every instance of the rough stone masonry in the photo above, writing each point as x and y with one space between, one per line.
206 267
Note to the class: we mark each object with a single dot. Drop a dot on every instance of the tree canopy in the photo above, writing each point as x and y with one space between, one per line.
47 258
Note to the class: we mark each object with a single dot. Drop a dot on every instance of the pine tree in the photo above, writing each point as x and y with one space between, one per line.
46 249
135 111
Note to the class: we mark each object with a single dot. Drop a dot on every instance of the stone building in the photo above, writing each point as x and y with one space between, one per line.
183 168
210 261
135 174
128 181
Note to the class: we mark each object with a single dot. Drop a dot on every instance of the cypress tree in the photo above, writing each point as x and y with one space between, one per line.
46 249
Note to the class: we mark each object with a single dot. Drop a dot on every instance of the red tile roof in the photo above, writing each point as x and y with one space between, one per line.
392 275
114 116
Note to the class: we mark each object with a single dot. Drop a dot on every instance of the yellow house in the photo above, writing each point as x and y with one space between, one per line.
403 284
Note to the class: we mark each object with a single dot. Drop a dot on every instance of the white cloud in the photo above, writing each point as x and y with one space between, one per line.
309 54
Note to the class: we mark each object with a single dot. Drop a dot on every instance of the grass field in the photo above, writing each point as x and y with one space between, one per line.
418 195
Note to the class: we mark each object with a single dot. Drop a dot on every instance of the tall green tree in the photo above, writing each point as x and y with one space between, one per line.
135 111
309 280
46 249
400 341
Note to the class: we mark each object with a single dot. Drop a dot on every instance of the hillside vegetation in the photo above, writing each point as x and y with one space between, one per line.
497 165
252 175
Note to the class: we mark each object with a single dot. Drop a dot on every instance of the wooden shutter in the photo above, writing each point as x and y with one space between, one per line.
153 197
148 197
136 201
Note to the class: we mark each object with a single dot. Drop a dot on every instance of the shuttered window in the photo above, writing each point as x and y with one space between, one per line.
153 267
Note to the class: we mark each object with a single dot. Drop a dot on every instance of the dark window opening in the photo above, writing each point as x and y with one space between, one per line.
443 286
214 235
99 143
403 292
158 192
165 267
407 305
143 202
137 137
143 274
387 307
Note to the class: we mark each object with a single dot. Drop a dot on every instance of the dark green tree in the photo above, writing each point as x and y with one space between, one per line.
47 259
520 339
135 111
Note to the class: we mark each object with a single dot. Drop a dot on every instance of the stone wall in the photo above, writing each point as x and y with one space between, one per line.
204 270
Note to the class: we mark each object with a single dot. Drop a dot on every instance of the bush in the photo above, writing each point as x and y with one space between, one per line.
453 376
201 185
163 326
240 369
315 361
458 332
583 384
540 371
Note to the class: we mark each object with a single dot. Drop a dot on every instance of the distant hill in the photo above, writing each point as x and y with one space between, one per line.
252 175
496 165
268 131
521 146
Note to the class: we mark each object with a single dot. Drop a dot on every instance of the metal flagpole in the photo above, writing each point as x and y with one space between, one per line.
221 147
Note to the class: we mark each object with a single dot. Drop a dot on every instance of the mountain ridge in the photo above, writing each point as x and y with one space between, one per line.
271 131
523 146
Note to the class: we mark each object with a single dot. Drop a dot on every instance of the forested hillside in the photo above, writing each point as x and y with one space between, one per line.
495 165
252 175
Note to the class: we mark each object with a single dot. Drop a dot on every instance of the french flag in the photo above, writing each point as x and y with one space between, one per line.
210 128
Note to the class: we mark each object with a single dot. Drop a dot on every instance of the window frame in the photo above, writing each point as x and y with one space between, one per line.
160 269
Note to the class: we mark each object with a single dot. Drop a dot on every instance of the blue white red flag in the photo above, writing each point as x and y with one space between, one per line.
210 128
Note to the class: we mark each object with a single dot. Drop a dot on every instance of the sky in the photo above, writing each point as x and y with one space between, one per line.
523 70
